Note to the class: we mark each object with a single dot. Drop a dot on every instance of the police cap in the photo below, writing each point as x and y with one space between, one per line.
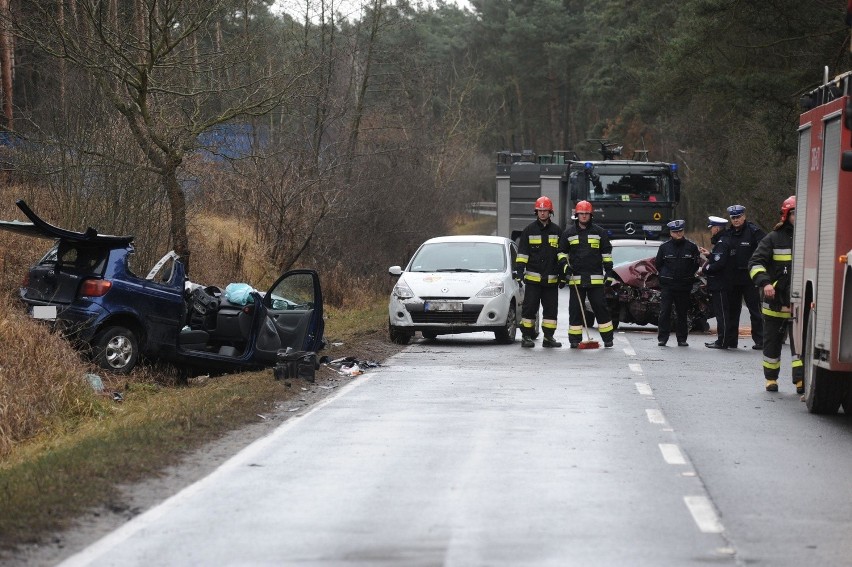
735 211
716 221
676 225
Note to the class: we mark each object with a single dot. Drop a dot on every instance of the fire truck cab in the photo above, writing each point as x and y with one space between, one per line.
821 281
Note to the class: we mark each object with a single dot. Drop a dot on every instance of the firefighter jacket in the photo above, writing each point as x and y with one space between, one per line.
743 243
771 264
716 268
585 255
537 254
677 262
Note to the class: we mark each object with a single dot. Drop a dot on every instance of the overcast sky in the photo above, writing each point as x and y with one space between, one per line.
350 8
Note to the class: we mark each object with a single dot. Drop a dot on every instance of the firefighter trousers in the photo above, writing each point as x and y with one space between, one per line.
597 300
774 329
548 297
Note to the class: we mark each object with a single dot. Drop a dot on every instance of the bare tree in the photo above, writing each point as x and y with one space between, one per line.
171 72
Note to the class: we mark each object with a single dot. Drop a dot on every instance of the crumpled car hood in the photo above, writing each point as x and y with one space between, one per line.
448 284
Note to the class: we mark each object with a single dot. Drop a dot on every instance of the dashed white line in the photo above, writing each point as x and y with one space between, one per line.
671 454
637 368
644 389
704 514
655 416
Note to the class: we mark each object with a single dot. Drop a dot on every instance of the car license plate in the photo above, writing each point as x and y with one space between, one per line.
653 227
44 312
442 306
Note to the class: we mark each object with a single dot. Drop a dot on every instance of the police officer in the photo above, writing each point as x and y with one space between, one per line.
743 237
770 269
718 278
585 254
677 261
537 265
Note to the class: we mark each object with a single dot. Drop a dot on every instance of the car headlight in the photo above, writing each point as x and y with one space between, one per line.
402 291
493 289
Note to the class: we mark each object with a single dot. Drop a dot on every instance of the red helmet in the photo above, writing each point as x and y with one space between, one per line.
788 205
583 207
544 204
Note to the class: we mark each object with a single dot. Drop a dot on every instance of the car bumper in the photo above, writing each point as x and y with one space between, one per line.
476 314
77 323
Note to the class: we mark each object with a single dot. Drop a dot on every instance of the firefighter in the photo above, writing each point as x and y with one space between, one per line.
585 254
537 266
769 268
743 237
677 262
718 278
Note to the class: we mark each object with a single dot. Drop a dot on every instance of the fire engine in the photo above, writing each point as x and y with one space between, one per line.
821 280
632 198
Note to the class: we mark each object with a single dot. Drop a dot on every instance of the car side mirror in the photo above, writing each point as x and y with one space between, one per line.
846 161
395 271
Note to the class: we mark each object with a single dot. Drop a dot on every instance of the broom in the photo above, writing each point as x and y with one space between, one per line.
588 343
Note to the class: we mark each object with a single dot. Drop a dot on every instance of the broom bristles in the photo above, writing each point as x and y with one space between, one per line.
585 345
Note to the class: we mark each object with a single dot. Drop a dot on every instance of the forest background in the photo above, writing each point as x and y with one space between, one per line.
341 135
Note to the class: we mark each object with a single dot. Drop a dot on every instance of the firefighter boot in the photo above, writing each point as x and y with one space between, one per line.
526 341
772 385
800 387
549 342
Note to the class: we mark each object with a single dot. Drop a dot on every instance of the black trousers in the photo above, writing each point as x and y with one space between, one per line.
597 300
751 296
722 311
548 297
680 301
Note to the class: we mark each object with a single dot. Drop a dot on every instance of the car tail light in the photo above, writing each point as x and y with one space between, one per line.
95 288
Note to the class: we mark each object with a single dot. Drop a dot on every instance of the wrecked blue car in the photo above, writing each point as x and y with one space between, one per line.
84 287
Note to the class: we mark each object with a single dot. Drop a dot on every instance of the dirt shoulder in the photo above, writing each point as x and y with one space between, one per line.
139 497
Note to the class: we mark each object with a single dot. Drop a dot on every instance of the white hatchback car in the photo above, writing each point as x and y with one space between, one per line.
457 284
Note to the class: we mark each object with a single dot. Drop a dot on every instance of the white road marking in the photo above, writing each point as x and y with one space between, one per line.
704 514
671 454
629 351
644 389
655 416
635 368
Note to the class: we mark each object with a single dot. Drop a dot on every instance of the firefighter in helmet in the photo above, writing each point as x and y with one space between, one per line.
537 266
769 269
585 254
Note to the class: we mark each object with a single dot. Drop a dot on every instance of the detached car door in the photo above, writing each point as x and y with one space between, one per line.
294 305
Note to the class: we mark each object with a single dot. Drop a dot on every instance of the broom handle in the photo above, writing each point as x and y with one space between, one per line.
583 313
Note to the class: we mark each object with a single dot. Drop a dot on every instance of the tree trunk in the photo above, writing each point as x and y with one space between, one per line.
6 66
178 223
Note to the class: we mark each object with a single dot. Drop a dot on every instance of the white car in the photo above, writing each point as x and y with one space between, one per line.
457 284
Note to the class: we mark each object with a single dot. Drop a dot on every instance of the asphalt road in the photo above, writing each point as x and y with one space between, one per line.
463 452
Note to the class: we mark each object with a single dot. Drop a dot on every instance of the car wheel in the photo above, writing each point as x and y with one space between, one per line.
507 334
397 336
429 335
116 349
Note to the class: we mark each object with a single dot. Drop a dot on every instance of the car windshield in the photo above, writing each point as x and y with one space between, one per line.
459 257
631 253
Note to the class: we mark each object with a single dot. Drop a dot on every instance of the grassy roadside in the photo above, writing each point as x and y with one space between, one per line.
47 482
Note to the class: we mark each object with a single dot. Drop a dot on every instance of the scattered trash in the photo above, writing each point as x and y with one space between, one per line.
95 382
294 409
117 397
351 366
328 387
261 416
295 364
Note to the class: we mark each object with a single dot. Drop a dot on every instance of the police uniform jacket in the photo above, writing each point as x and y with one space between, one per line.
716 268
537 251
771 263
587 253
677 262
743 243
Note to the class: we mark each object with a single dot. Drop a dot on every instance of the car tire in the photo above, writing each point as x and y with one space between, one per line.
116 349
506 335
397 336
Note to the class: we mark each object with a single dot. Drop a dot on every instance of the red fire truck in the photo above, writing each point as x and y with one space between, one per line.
821 281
